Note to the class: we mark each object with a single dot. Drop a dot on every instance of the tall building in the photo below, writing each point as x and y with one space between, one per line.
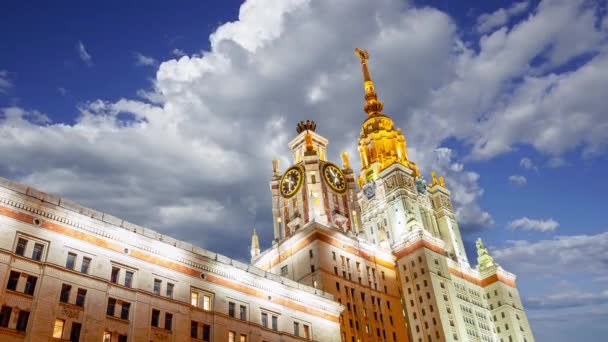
70 273
390 252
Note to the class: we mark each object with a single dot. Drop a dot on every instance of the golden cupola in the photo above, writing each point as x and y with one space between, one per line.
380 144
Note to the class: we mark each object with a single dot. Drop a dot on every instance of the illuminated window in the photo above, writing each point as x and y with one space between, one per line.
37 254
206 302
107 337
58 328
21 245
86 262
71 261
231 336
194 298
243 338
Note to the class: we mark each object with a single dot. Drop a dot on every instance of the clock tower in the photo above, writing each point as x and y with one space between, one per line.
312 189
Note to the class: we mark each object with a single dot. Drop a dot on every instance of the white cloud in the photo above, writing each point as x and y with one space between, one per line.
5 82
563 255
542 225
566 299
518 180
178 52
144 60
528 164
83 54
488 21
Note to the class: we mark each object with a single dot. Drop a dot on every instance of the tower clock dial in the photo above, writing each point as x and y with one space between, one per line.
291 181
334 177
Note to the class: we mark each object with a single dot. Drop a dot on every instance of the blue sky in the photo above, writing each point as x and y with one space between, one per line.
169 115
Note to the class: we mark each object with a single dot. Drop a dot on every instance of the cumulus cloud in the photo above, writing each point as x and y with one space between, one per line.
178 52
528 164
541 225
567 299
518 180
5 82
559 256
204 135
144 60
488 21
84 54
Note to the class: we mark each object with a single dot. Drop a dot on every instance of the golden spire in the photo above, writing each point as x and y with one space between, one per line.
372 104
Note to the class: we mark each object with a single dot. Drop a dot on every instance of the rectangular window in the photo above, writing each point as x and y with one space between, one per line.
75 333
231 309
22 320
194 298
170 290
296 328
80 297
65 293
157 284
168 320
124 311
206 332
243 338
155 317
243 312
264 320
307 331
284 271
111 306
5 316
21 245
128 279
13 279
71 261
275 322
231 336
193 329
310 253
122 338
58 328
206 302
86 262
114 275
107 337
37 254
30 285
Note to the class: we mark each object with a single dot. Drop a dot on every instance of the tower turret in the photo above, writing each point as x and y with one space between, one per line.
255 244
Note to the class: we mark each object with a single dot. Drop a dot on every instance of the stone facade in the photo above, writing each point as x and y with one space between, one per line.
72 273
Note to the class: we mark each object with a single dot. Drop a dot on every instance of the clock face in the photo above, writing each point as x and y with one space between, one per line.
291 181
334 177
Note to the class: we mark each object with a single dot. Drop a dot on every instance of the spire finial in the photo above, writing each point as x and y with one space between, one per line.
255 244
484 260
372 105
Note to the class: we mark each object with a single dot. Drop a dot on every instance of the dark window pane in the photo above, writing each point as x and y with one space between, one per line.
30 285
37 254
114 274
128 278
157 284
80 297
75 333
155 317
13 279
168 320
231 309
193 329
86 262
71 261
65 293
124 312
22 320
21 244
206 332
274 322
111 306
5 316
122 338
243 312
